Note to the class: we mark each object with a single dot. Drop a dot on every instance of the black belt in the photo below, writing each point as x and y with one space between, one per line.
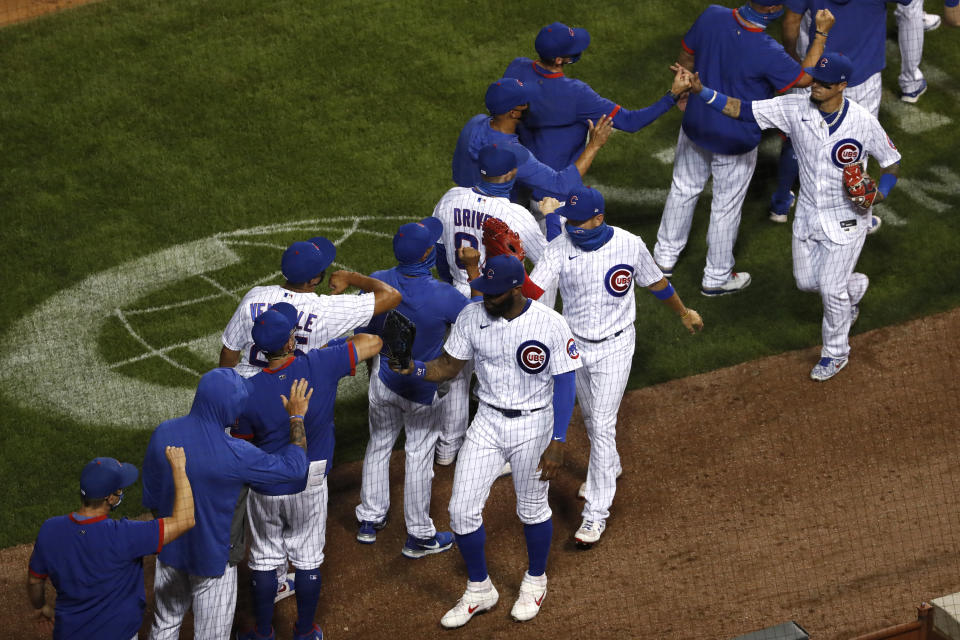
514 413
602 339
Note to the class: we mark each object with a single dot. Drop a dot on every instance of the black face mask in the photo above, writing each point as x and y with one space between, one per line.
497 309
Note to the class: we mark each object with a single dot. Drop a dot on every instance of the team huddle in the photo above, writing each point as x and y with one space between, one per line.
474 364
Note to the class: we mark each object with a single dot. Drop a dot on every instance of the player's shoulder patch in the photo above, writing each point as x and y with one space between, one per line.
533 356
618 279
572 349
891 145
846 151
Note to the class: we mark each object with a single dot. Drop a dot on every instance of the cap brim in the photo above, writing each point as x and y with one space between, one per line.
434 226
327 249
487 287
581 38
812 72
128 474
565 211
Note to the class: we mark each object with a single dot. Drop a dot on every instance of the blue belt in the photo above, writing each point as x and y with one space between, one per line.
514 413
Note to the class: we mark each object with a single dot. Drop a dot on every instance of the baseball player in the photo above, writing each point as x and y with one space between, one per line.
556 128
596 266
96 563
833 137
398 402
462 211
730 49
525 357
288 519
508 100
194 570
321 318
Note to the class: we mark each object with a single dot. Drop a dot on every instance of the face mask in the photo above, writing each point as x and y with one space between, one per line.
762 19
501 190
589 239
421 268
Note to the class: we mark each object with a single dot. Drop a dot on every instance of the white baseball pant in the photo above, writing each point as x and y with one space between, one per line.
213 601
389 413
910 37
692 167
492 440
454 413
600 386
826 267
292 526
867 93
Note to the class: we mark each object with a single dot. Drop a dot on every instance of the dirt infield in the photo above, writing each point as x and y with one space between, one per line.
12 11
750 496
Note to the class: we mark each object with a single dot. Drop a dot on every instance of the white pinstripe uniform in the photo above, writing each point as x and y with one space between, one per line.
462 211
213 600
322 318
600 306
514 361
910 38
828 230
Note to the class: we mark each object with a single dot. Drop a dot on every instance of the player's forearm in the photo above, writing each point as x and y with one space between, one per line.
813 55
587 157
298 433
183 518
631 121
229 358
385 296
445 367
726 105
367 345
35 591
791 32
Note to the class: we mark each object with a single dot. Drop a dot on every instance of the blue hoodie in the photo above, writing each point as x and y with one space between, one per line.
218 466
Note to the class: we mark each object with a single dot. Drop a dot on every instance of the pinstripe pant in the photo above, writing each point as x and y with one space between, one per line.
213 601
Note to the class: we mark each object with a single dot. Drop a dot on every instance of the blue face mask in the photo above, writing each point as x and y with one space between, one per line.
501 190
590 239
762 19
419 268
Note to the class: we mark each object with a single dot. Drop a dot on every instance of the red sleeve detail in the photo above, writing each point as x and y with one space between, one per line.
616 110
353 359
160 541
782 135
530 289
242 436
685 47
795 81
41 576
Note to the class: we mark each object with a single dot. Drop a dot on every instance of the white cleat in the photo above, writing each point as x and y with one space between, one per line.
532 592
505 470
589 533
930 21
472 603
736 282
827 368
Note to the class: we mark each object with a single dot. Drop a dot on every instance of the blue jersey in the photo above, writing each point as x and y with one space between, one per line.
739 60
96 566
218 466
556 129
267 423
431 305
532 173
860 32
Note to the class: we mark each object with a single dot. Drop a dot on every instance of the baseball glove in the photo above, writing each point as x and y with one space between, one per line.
500 239
861 188
398 335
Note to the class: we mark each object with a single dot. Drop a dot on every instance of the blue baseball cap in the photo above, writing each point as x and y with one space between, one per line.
273 327
508 93
770 3
103 476
582 204
499 275
832 67
557 40
494 161
303 261
413 239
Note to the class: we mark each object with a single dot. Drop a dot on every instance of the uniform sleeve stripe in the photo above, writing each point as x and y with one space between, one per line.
795 80
41 576
160 537
616 110
685 47
353 359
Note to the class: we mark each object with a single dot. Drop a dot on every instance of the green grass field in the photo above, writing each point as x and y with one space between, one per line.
156 157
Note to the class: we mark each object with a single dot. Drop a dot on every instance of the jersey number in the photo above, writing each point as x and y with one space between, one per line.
258 361
459 239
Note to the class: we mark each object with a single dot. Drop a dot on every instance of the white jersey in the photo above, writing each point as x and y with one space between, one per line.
597 286
462 211
822 155
514 359
322 318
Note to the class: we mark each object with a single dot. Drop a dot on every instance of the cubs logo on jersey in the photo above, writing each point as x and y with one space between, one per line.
533 356
572 349
846 151
618 280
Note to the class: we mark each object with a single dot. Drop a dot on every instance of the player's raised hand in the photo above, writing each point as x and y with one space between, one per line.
599 133
468 256
695 85
551 461
176 457
682 79
692 321
824 20
299 401
339 281
548 205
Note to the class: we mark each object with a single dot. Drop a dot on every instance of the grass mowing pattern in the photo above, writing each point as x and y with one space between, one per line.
131 126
